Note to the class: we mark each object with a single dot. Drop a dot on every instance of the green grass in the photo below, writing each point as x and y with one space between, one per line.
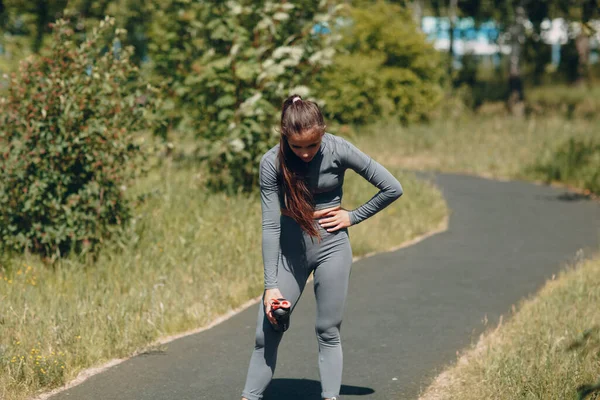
576 162
190 257
505 148
548 348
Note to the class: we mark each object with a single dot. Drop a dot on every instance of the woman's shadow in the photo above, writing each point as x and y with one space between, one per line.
306 389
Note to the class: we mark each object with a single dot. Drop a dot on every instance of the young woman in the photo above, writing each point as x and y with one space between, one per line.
305 230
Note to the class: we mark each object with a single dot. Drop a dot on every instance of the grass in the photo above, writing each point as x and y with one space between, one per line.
547 350
497 147
190 257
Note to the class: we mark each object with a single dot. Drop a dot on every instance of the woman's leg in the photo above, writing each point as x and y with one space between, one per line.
291 279
331 278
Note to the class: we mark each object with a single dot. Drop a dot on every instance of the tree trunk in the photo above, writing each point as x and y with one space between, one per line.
42 13
515 82
452 18
582 44
418 12
589 10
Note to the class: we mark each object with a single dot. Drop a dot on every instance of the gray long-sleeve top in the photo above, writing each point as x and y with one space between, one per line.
325 179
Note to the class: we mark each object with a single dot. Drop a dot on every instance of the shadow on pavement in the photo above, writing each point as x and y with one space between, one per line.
306 389
567 197
574 197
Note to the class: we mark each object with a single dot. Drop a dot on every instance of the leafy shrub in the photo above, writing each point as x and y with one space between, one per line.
67 145
567 100
228 66
490 88
467 74
384 68
577 161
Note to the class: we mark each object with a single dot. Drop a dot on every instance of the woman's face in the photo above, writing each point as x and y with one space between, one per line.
305 145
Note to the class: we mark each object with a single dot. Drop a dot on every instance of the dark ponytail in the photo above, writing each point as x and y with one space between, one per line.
298 117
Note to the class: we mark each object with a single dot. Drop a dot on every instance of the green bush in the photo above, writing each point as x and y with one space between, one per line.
567 100
67 143
577 161
384 68
228 66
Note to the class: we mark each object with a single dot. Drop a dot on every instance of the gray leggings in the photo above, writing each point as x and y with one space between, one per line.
331 261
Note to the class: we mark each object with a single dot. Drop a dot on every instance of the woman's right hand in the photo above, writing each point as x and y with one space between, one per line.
271 294
325 211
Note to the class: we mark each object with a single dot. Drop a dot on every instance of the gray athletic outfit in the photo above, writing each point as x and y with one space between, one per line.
290 255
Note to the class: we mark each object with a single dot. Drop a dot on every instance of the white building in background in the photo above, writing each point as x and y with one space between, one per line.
486 40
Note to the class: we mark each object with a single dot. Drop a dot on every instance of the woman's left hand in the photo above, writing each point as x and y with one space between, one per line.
337 218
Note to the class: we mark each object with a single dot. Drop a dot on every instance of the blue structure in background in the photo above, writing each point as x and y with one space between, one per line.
321 28
465 29
468 38
485 39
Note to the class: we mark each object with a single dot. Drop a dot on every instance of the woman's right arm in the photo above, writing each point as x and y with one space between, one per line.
271 213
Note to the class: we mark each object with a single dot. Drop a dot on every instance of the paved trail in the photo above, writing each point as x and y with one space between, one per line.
408 311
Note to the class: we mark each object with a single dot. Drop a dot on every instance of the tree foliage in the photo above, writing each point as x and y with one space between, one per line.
384 68
227 66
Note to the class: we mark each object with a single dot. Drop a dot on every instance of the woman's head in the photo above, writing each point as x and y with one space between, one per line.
302 130
302 126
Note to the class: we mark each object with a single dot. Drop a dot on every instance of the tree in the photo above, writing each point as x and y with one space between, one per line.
582 11
226 67
384 68
36 14
517 39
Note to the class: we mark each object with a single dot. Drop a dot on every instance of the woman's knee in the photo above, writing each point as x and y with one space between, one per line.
328 334
266 335
259 339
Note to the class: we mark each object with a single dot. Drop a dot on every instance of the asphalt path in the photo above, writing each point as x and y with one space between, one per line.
408 311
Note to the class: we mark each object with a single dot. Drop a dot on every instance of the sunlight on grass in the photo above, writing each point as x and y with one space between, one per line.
550 346
493 147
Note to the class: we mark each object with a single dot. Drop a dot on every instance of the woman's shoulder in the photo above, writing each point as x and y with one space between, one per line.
270 157
336 145
334 139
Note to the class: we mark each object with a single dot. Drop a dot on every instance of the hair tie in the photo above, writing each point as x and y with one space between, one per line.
296 99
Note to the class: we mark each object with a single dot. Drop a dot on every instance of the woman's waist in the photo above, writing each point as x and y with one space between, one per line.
320 210
323 210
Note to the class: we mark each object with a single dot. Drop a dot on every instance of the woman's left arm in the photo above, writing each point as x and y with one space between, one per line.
389 187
